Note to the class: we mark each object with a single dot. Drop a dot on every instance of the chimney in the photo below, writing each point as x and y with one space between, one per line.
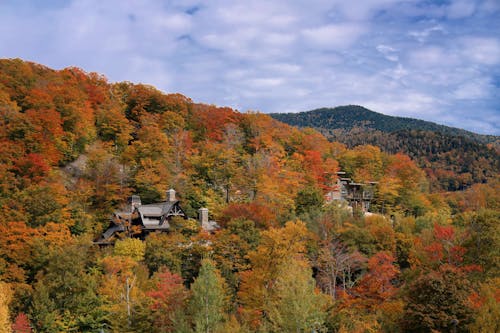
135 201
203 216
171 195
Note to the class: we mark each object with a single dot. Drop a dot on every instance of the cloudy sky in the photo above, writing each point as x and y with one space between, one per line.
435 60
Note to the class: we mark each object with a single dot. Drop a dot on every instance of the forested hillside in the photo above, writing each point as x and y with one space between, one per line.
453 158
74 147
353 116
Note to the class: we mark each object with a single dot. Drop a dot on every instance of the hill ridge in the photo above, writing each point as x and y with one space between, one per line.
350 116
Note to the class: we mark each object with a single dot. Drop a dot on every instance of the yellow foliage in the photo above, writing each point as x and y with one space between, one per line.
5 296
277 246
130 247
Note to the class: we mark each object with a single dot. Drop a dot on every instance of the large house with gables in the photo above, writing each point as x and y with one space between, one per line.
142 220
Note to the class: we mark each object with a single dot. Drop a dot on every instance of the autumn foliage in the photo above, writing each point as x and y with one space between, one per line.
74 147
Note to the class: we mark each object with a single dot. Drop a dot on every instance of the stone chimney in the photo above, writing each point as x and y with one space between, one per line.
135 201
171 195
203 216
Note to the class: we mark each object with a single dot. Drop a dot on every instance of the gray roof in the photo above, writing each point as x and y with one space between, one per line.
156 209
153 217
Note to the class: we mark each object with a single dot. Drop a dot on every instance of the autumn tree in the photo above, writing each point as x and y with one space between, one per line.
169 301
122 285
21 324
309 200
277 245
5 296
230 253
130 247
377 285
487 307
180 254
438 301
107 178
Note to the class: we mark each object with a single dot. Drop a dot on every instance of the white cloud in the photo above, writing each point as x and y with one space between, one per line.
388 52
422 35
334 36
404 57
433 56
481 50
476 89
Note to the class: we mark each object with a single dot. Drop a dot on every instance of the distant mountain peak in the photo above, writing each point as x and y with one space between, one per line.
348 117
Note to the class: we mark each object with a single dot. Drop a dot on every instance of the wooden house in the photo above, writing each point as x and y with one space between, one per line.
357 195
141 219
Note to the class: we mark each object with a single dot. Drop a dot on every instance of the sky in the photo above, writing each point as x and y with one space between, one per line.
433 60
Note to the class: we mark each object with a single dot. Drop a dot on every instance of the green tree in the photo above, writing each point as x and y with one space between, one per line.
308 200
483 245
295 305
65 295
208 301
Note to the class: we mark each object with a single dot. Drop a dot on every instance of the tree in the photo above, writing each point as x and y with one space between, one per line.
294 304
122 285
336 263
446 248
21 324
131 247
65 294
308 200
230 254
208 300
107 178
277 246
439 301
376 286
483 244
487 305
169 297
5 295
163 250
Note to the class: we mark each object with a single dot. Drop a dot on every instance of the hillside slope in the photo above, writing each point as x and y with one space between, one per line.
353 116
452 157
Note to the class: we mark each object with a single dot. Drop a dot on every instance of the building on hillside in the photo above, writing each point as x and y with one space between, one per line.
141 220
357 195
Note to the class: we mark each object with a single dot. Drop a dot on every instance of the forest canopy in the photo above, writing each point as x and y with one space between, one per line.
74 147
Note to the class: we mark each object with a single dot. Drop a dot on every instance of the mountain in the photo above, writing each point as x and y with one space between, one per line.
453 158
353 116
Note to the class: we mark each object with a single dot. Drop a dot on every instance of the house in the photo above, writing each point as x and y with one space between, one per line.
357 195
142 220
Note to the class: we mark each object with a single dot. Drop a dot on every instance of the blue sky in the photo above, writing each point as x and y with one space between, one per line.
433 60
